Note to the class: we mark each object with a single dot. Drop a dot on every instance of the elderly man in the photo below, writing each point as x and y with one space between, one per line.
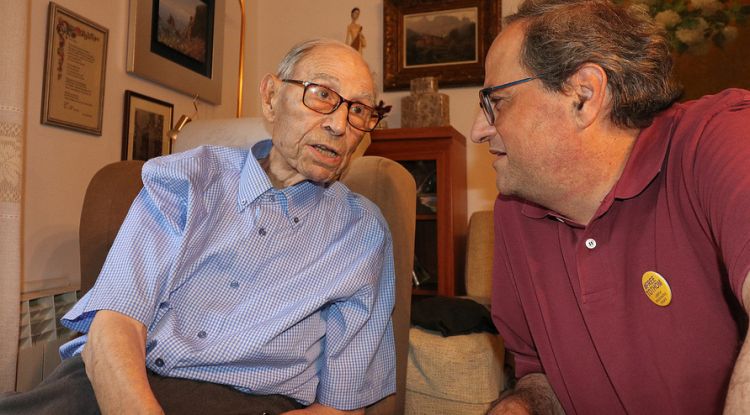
623 226
245 281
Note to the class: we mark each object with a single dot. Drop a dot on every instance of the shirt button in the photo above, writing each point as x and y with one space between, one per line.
159 362
234 284
590 243
202 334
262 231
295 219
164 305
272 198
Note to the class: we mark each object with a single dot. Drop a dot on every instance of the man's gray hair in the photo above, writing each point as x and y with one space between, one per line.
300 50
562 35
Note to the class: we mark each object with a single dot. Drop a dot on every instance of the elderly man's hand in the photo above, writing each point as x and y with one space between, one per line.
532 395
510 406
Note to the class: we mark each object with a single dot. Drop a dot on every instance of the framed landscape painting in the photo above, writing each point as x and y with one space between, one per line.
445 39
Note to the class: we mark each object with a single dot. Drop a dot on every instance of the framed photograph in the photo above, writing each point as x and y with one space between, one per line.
144 133
179 44
445 39
74 71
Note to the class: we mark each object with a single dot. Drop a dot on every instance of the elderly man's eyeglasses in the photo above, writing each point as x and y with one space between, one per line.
324 100
485 101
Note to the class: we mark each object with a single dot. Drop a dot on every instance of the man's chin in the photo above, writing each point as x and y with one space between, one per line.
323 177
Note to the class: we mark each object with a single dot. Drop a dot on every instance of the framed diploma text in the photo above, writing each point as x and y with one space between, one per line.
74 72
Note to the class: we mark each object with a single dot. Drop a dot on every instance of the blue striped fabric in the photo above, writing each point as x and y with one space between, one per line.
271 291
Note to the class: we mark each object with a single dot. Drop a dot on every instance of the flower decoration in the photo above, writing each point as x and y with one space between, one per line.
383 109
692 25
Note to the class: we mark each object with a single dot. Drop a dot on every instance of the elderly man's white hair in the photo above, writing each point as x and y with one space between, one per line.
300 50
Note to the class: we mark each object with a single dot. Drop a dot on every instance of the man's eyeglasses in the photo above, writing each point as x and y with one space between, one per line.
324 100
485 101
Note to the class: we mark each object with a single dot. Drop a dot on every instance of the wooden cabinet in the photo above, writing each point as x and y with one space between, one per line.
436 157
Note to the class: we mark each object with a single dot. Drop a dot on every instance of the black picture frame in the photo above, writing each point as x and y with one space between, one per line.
146 123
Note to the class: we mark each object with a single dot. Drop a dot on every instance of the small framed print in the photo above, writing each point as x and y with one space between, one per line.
147 122
445 39
74 71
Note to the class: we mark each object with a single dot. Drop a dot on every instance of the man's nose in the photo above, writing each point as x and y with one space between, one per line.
337 120
481 130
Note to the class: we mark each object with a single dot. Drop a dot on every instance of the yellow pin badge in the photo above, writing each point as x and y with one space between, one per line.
656 288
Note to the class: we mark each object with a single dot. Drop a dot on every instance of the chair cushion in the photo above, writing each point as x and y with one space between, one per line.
466 368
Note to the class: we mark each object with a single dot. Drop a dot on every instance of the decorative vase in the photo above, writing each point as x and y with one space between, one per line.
425 106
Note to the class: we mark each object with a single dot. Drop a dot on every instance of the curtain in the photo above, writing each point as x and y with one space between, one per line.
13 62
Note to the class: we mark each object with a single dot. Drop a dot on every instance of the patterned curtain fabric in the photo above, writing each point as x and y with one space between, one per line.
14 32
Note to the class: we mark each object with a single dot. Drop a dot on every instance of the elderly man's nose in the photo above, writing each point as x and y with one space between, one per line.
337 120
481 130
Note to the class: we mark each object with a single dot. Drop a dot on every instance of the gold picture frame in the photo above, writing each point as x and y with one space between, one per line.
146 123
152 56
75 67
445 39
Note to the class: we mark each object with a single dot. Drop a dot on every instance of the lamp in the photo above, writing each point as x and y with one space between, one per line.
184 119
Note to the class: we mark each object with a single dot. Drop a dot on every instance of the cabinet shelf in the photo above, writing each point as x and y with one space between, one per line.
436 157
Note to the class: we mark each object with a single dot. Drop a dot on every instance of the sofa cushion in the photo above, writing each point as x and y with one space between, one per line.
470 369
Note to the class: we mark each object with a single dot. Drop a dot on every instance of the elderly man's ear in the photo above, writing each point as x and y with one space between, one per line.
269 88
588 89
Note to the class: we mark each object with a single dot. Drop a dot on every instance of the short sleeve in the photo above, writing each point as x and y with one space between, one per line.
133 277
721 173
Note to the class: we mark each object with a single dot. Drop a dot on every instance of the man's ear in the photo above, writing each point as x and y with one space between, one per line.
588 88
269 88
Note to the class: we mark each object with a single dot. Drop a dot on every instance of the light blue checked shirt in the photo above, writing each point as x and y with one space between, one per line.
271 291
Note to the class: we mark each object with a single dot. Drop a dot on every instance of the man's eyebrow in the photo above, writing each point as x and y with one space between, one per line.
337 82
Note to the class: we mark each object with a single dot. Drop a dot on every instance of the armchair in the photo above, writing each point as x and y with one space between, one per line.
383 181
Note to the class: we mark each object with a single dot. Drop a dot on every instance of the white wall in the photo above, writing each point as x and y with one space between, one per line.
60 163
276 25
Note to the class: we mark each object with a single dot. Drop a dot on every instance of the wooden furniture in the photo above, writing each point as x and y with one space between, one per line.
436 157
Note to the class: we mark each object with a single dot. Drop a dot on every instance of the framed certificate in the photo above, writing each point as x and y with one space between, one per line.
74 72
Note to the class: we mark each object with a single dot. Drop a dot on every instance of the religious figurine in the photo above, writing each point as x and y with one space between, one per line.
354 36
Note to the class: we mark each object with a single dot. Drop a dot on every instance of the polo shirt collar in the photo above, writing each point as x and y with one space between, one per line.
647 157
644 163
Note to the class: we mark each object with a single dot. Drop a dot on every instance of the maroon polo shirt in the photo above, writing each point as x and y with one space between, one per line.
568 299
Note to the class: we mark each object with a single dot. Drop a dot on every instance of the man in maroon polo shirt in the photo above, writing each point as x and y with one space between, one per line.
622 244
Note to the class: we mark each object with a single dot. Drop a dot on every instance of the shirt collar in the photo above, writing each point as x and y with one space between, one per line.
647 157
644 163
254 182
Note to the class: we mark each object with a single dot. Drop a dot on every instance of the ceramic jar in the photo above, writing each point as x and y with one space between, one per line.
425 106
